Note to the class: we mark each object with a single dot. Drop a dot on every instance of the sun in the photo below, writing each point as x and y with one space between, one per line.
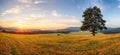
20 25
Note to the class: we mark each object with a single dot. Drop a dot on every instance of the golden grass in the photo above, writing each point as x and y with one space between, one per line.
65 44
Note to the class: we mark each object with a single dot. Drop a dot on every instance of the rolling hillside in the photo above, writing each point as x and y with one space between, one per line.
76 43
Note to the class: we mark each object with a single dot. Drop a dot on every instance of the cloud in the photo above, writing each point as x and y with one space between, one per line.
43 23
14 10
38 2
43 20
119 4
31 2
54 19
55 13
25 1
54 23
69 21
37 15
113 23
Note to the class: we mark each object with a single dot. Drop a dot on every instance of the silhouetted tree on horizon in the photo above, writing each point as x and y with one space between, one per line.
93 21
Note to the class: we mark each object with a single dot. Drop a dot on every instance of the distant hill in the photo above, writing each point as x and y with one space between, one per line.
72 29
0 27
66 30
108 31
111 30
38 31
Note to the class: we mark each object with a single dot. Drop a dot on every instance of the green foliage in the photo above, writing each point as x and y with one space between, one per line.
93 20
92 43
14 52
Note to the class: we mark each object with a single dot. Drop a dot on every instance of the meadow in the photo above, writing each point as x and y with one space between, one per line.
75 43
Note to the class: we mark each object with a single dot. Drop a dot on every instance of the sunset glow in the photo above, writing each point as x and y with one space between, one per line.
54 14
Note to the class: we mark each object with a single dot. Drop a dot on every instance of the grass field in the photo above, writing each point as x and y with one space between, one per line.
64 44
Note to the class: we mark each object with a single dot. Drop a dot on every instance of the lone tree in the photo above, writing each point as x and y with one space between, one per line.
93 21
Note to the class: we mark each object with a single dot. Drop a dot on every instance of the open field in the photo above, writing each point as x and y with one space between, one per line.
64 44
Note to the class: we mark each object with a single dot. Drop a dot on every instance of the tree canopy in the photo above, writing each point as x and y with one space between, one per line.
93 21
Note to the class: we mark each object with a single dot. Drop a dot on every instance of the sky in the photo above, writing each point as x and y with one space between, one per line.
54 14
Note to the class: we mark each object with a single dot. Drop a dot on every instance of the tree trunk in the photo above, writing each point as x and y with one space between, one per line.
93 32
